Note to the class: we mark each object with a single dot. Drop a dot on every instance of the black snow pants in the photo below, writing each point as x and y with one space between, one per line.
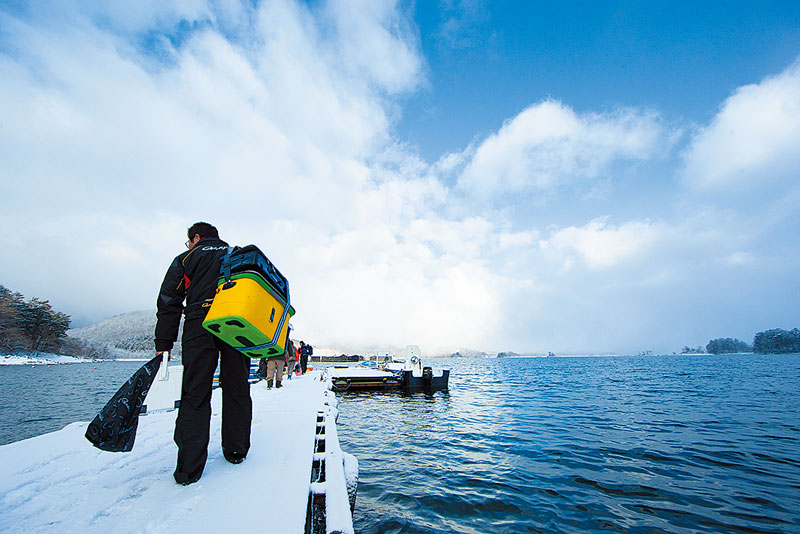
201 351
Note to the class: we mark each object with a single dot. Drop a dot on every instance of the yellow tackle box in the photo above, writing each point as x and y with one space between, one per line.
250 315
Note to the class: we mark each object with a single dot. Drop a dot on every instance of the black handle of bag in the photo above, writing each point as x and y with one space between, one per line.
226 269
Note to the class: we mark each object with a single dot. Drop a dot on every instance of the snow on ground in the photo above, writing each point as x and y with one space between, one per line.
59 482
41 359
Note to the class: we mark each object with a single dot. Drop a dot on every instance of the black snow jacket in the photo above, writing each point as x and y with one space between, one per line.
192 277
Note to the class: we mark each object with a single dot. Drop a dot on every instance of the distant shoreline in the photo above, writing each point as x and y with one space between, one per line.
49 359
57 359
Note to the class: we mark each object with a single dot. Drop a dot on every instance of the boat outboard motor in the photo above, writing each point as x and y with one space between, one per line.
427 377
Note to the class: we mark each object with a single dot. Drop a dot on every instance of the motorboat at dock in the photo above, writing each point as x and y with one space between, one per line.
391 374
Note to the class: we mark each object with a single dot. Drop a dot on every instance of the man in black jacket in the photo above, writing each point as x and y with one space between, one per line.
192 277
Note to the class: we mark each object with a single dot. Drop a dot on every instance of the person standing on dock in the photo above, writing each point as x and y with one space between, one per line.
192 277
275 363
305 352
295 367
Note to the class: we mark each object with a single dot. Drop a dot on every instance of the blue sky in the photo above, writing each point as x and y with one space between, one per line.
488 61
570 177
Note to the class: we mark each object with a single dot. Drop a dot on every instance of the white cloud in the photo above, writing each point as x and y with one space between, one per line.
518 240
376 44
466 24
598 245
398 282
136 16
753 141
548 145
741 258
271 125
270 118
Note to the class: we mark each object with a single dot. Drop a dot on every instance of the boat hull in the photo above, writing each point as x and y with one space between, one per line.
348 380
427 382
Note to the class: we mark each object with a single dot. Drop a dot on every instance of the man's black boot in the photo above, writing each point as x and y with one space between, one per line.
185 479
234 457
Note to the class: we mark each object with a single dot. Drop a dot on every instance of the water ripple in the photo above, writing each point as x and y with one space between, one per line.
671 444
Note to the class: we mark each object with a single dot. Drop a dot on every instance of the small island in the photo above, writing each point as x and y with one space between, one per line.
774 341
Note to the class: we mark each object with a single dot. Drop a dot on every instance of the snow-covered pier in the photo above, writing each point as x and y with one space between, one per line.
295 479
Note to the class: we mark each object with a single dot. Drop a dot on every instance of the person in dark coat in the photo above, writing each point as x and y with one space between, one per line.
305 352
192 277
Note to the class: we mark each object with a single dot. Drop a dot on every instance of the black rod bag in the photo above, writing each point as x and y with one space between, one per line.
114 428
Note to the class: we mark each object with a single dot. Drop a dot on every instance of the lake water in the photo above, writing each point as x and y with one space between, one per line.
644 444
633 444
35 399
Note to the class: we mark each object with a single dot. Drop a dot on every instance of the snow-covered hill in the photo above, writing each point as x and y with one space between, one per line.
128 335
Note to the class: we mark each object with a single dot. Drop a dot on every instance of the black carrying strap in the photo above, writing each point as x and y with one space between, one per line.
226 268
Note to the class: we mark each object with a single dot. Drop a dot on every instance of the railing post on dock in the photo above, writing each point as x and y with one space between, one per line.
334 478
